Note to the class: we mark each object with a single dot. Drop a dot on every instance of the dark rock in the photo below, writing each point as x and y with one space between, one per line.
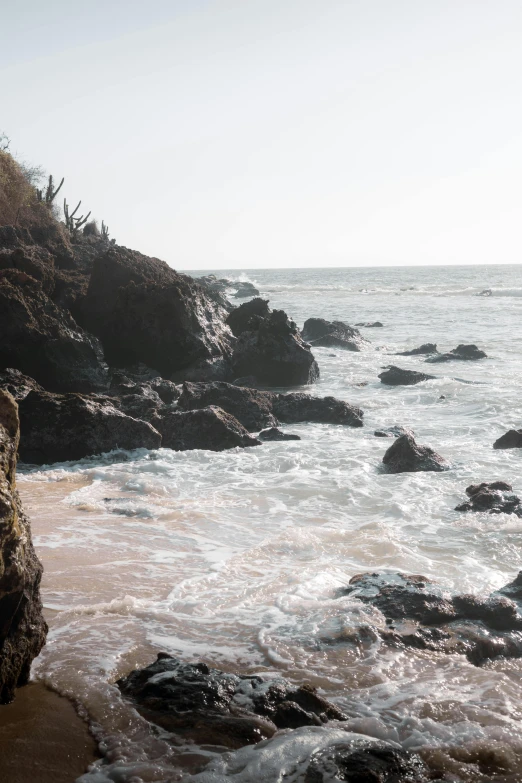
492 497
273 350
406 456
252 408
393 432
317 331
246 317
208 428
421 614
250 381
144 311
462 352
57 427
426 348
273 433
43 340
370 325
167 391
209 706
485 292
18 384
510 440
395 376
22 627
361 760
296 407
244 289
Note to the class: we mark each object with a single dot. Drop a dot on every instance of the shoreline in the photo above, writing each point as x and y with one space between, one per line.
43 739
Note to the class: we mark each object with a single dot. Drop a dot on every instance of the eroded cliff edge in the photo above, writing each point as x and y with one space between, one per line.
22 627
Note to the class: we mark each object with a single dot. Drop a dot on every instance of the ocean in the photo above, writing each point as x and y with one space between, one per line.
236 558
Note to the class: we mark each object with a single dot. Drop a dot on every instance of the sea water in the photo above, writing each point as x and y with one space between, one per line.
236 558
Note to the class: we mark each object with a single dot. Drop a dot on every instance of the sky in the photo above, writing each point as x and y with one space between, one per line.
247 134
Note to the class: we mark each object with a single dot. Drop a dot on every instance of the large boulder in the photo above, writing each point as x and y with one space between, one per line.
44 341
466 353
60 427
144 311
251 407
333 334
272 349
406 456
209 706
420 613
512 439
495 497
248 316
208 428
395 376
295 407
22 627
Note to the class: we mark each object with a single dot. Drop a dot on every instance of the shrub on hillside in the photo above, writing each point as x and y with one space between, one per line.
19 204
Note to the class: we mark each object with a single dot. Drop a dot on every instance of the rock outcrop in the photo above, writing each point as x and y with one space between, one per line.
406 456
206 428
60 427
22 627
251 407
209 706
295 407
465 353
245 289
275 434
43 340
422 350
270 347
333 334
512 439
395 376
420 613
495 497
144 311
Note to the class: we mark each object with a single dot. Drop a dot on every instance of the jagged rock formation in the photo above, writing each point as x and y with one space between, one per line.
395 376
295 407
253 408
206 428
495 497
420 613
209 706
333 334
406 456
512 439
22 627
466 353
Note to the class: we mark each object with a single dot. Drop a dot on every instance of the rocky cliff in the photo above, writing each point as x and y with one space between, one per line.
22 627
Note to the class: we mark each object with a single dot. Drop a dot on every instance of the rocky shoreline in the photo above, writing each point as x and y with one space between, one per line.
104 348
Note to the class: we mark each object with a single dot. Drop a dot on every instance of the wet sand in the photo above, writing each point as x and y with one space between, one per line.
42 739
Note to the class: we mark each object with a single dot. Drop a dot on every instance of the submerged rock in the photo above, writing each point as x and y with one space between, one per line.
496 497
425 348
60 427
270 347
209 706
22 627
249 406
295 407
406 456
462 352
393 432
273 433
317 331
207 428
370 324
421 614
510 440
395 376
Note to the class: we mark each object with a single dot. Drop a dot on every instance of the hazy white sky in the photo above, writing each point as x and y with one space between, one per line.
277 133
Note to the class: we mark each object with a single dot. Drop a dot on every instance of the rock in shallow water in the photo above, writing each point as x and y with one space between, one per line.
395 376
496 497
425 348
209 706
467 353
512 439
22 627
296 407
251 407
330 334
423 615
406 456
393 432
274 434
206 428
